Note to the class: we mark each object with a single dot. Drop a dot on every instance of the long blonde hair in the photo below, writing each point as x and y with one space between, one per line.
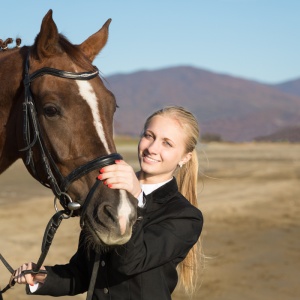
187 177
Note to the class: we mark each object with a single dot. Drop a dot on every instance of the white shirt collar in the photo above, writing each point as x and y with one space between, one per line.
149 188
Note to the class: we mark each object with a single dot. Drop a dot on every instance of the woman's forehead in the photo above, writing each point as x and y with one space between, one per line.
167 121
166 126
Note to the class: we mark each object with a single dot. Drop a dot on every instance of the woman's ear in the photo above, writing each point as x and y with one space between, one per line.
185 159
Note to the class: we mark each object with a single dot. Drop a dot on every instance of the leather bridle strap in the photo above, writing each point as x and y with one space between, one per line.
31 124
92 165
11 270
47 241
58 73
50 231
30 118
91 288
61 73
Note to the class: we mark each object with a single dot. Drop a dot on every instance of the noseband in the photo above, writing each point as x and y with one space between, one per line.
32 135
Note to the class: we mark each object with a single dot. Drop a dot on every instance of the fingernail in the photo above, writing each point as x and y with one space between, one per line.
117 161
110 185
99 177
102 170
105 182
32 284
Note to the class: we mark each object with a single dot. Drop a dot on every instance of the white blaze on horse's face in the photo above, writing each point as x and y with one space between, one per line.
88 94
124 208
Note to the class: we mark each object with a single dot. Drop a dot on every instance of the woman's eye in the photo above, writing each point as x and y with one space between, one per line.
51 111
167 144
147 135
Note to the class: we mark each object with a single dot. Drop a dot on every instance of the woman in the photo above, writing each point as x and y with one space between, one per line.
162 240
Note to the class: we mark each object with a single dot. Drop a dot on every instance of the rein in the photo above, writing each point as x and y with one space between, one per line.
32 135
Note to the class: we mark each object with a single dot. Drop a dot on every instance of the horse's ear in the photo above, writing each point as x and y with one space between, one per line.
93 45
47 40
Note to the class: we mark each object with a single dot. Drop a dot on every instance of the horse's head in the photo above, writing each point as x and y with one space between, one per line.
74 128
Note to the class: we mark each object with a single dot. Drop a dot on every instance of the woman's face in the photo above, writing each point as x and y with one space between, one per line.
160 149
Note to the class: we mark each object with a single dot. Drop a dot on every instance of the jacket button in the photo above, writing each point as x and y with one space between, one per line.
105 290
102 263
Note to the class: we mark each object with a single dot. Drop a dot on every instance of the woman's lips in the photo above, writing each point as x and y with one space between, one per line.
149 159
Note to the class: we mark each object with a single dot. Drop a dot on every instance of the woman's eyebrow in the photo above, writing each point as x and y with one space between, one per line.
149 131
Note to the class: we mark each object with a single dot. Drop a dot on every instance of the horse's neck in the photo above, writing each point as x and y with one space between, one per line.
11 64
11 72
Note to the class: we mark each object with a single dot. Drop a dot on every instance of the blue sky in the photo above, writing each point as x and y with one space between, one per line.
253 39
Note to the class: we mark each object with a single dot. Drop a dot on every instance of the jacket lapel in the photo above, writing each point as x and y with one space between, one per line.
161 195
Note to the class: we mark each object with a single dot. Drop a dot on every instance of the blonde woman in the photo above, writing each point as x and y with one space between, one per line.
164 239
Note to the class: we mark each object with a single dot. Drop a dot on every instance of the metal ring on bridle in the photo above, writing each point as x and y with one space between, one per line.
71 205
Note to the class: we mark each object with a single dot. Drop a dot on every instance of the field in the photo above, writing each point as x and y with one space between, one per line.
248 193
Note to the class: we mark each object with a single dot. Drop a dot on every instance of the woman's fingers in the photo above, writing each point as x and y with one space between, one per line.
27 277
20 278
116 173
119 167
120 176
115 181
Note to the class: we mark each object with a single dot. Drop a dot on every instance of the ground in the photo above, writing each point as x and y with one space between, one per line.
249 196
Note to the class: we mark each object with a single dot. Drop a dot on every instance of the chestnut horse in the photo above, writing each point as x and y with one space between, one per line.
57 115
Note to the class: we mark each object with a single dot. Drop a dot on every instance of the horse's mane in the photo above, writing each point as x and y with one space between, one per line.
4 44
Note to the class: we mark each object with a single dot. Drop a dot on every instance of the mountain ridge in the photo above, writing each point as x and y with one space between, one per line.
290 87
238 109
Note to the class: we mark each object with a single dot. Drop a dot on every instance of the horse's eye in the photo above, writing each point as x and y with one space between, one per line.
51 111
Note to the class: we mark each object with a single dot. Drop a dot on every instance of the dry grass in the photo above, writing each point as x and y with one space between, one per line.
248 193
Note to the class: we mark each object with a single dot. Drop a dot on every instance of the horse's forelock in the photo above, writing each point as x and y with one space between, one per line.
73 51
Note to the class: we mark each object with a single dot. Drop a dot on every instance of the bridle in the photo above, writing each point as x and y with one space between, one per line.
31 126
32 136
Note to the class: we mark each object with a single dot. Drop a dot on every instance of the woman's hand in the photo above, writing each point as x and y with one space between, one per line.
29 278
121 176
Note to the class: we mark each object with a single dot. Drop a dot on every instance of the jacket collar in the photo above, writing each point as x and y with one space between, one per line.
161 195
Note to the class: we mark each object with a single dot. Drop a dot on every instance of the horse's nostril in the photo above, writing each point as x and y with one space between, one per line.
120 221
109 212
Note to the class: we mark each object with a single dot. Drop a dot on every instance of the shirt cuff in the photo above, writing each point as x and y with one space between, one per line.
34 288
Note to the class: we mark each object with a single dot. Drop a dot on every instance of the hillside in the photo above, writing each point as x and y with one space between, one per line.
235 108
287 134
291 87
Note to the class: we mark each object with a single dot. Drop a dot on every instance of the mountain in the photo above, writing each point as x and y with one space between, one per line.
287 134
291 87
234 108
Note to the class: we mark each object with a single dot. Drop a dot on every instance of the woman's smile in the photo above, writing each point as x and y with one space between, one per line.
148 159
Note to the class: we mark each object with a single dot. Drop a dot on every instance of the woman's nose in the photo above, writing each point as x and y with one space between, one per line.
153 147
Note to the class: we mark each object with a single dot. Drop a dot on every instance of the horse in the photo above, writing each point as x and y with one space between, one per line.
56 115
